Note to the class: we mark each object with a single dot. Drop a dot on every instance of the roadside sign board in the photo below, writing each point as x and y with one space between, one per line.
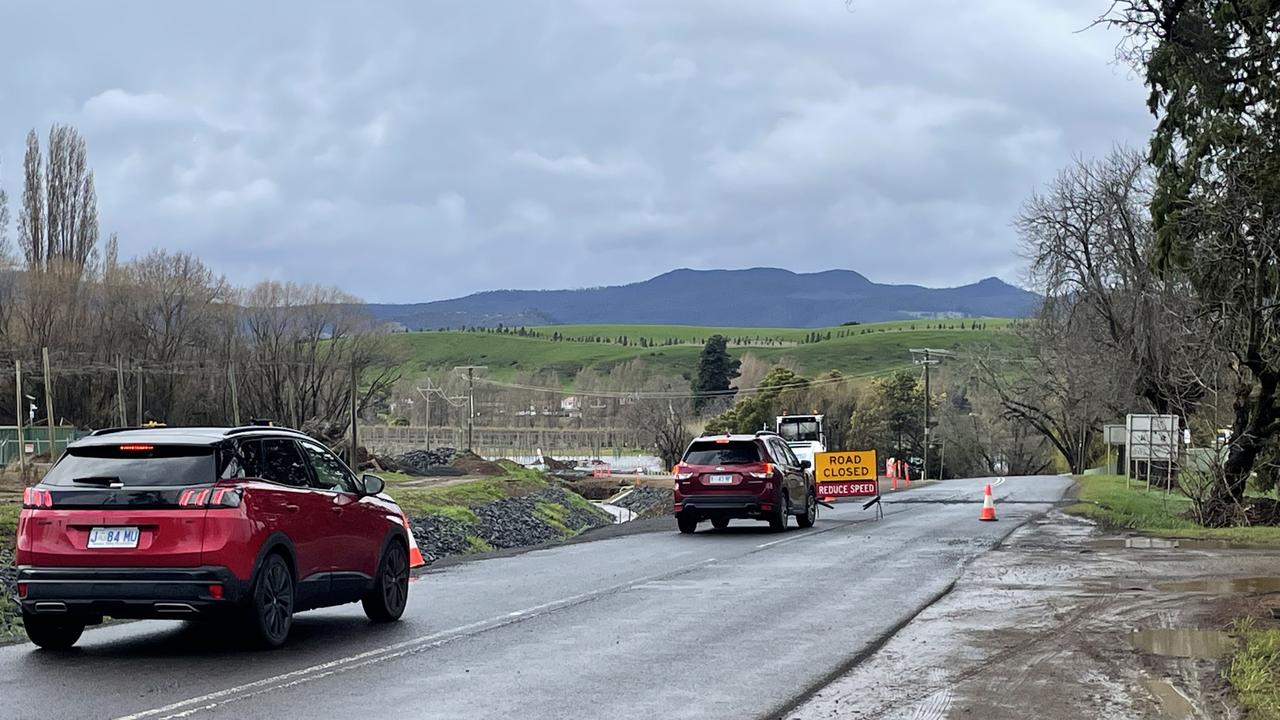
847 474
1152 437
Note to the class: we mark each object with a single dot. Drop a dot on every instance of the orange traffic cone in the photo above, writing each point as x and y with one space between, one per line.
415 554
988 507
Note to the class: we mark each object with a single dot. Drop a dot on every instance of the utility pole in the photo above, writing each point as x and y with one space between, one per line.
235 395
292 399
471 400
48 405
138 382
928 358
426 393
20 409
121 415
355 402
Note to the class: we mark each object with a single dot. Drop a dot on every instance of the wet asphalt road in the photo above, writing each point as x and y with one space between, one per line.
734 624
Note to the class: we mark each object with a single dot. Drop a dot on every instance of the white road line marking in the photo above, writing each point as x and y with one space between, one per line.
210 701
784 540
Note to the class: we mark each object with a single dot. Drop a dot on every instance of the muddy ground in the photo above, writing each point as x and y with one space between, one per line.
1066 622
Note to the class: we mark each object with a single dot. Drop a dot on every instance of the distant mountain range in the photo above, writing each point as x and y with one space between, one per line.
759 297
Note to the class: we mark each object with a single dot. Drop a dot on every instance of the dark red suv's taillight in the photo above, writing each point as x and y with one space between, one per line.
209 497
33 498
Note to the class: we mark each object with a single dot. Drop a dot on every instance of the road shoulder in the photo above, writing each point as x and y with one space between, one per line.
1046 620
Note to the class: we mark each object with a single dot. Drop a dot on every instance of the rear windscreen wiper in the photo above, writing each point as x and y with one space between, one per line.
102 481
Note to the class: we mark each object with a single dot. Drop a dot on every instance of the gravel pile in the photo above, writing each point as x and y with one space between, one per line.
423 462
515 522
439 536
648 502
511 523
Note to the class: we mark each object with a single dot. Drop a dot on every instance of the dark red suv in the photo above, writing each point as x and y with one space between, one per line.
724 477
252 523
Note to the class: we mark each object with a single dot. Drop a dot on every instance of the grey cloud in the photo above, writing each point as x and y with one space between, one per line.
417 150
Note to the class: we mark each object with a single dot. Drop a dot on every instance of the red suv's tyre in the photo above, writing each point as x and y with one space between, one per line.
271 603
390 593
52 633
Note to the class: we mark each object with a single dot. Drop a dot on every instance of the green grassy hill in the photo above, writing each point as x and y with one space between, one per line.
864 350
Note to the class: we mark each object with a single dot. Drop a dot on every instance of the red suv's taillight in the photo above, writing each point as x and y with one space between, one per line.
209 497
33 498
766 475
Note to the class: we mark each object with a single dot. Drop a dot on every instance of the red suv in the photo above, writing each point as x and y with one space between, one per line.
252 523
743 476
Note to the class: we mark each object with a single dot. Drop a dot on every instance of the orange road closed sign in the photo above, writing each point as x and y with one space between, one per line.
847 474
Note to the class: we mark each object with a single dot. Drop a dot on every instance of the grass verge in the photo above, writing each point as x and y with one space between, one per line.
1106 500
9 525
10 621
554 516
457 501
1255 670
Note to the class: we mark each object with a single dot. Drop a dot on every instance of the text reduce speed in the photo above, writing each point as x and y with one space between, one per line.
847 474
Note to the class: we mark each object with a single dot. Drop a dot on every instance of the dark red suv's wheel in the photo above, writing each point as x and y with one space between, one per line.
688 524
810 515
390 594
778 521
271 604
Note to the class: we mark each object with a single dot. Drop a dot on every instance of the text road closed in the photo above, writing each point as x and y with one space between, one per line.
847 474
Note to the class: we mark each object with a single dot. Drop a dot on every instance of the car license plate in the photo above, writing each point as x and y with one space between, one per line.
720 480
113 537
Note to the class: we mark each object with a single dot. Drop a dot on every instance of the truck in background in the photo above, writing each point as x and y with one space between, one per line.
804 433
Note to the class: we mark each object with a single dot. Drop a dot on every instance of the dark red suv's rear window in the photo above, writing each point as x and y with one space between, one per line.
712 452
134 466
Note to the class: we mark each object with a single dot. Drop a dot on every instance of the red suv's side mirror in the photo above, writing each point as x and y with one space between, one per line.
806 464
372 484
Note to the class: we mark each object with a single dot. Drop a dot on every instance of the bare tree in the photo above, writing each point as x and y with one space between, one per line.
58 223
1090 241
302 344
981 440
58 234
174 298
664 423
6 269
1066 386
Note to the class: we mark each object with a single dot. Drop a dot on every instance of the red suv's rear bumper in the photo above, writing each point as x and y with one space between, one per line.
721 505
129 592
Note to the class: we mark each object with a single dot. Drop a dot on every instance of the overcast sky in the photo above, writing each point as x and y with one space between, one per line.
424 149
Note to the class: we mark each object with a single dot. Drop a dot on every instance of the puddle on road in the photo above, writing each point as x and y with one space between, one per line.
1224 586
1184 643
1173 704
1149 543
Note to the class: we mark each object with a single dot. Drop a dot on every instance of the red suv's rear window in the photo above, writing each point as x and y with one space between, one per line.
134 466
711 452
